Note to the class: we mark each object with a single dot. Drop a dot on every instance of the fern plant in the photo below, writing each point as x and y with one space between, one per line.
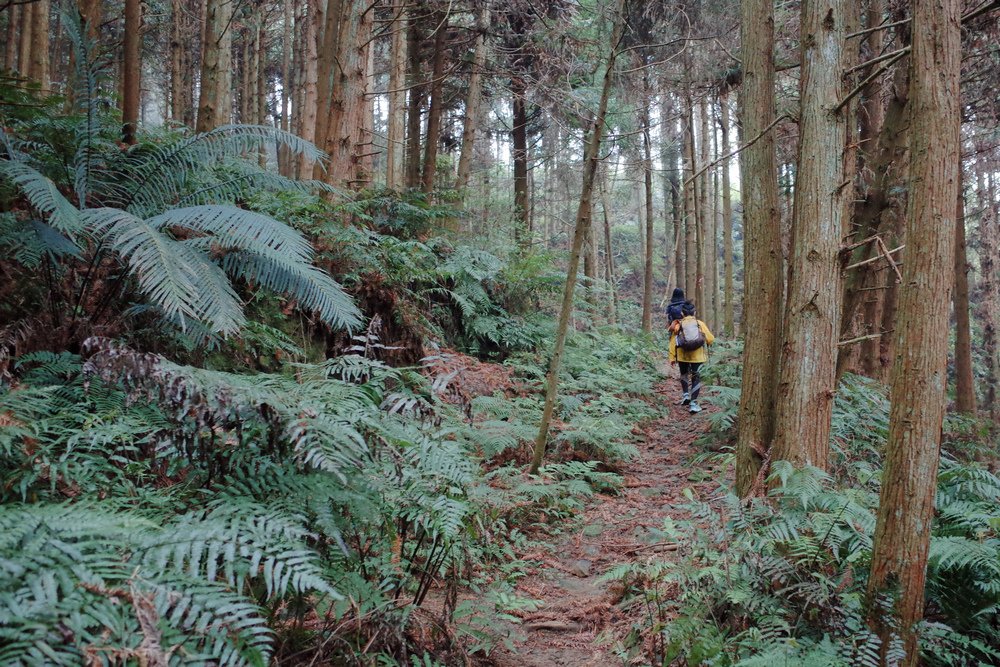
785 580
155 225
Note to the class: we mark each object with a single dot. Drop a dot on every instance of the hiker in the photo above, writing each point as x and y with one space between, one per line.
689 341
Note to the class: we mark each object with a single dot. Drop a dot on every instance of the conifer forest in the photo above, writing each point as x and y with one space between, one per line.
500 333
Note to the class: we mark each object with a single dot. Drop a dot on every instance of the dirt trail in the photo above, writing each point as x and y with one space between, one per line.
577 607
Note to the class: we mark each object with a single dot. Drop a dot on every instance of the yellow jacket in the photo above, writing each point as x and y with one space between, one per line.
698 356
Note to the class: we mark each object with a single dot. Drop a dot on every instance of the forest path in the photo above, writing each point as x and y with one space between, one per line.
577 608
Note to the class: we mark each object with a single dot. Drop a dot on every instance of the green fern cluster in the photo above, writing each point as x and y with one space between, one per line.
168 509
784 580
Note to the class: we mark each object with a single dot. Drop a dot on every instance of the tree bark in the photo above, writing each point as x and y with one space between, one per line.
397 103
690 203
812 316
284 166
609 257
348 138
24 43
133 70
965 390
877 211
762 291
919 376
328 34
871 116
176 61
427 179
10 45
583 214
989 235
310 84
40 66
214 106
519 154
729 323
647 170
706 220
668 178
415 104
472 102
90 11
243 89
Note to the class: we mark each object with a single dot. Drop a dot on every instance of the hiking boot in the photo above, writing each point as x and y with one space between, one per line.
694 407
686 399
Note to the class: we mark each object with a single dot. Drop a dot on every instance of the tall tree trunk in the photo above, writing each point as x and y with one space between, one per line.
329 33
10 45
877 212
310 84
677 207
871 116
690 203
214 108
176 61
24 43
284 166
472 102
243 88
729 323
706 220
647 171
716 229
416 102
762 282
919 375
192 60
429 174
965 390
519 153
609 257
583 214
40 66
668 159
397 102
262 91
133 70
989 235
348 141
812 314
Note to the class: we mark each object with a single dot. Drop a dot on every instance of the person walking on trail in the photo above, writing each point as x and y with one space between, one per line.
689 341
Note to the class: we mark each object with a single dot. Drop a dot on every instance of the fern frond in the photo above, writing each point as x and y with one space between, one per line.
175 277
44 196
